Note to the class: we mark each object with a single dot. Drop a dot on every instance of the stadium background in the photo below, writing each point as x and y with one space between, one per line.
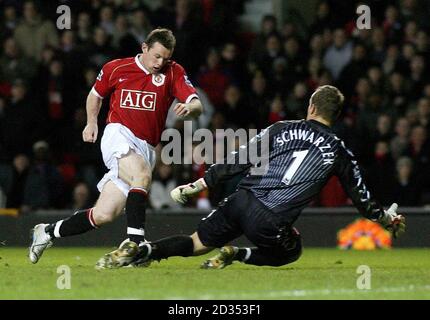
254 62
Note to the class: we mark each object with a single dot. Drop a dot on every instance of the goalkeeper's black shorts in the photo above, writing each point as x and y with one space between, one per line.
243 214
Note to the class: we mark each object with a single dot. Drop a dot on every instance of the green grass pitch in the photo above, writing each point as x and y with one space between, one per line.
318 274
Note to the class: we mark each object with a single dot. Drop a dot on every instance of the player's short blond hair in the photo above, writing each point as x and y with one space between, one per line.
328 101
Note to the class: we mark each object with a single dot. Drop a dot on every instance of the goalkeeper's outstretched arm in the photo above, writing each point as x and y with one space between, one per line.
233 165
350 176
214 175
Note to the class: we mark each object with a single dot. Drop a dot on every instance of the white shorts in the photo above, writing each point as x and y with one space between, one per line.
116 142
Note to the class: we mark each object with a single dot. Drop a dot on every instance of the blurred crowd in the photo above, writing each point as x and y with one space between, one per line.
246 80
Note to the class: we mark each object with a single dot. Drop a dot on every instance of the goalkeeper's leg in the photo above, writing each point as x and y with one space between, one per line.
263 257
281 248
276 242
286 251
214 231
174 246
129 253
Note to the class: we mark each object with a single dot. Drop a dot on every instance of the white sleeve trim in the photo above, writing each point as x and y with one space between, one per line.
191 97
93 90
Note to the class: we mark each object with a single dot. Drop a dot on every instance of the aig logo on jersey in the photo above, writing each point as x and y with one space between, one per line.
138 100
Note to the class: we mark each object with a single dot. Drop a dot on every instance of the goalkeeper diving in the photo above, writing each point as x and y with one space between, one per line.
302 156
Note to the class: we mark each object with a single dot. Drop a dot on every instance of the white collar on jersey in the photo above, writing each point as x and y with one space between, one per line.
139 64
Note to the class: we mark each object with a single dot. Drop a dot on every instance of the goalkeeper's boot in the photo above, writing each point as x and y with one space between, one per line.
222 259
120 257
41 241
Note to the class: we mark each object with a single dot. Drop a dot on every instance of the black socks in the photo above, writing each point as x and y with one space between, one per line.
82 221
182 246
135 208
243 254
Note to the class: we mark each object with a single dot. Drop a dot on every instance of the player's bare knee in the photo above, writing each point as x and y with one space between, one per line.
141 179
141 175
135 170
102 217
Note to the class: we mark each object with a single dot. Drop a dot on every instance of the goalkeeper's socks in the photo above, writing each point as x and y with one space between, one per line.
258 257
135 208
181 246
243 254
82 221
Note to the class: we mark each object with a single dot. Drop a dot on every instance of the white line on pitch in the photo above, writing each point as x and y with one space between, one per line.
303 293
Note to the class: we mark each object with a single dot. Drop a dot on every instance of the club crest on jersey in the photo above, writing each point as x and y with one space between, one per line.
138 100
158 79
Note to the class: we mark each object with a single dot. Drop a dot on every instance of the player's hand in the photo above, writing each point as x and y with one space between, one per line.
90 132
182 109
182 193
393 222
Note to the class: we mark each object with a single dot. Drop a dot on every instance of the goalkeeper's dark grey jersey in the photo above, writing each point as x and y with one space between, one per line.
302 156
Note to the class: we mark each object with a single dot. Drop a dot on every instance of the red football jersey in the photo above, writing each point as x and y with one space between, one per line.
140 100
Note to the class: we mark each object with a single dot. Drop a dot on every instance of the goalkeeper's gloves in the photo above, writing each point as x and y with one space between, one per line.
182 193
393 222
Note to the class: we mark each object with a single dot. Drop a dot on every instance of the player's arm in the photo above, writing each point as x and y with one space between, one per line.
236 163
219 173
214 175
350 176
101 89
194 108
190 104
93 106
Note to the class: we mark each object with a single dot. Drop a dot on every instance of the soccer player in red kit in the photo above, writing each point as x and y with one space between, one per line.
142 89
